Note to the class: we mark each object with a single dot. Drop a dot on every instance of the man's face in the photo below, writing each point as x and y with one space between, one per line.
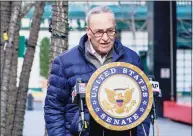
101 32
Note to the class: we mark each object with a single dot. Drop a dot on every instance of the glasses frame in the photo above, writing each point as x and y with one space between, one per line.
102 34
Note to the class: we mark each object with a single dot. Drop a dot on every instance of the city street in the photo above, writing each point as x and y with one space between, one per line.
34 125
49 48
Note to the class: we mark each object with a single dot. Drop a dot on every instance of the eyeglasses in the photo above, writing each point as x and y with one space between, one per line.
100 33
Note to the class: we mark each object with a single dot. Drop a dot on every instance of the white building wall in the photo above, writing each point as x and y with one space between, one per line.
127 40
35 79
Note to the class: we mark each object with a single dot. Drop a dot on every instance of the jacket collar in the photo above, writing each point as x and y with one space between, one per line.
117 52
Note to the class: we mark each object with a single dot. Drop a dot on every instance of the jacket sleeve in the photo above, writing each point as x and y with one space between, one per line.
139 64
56 100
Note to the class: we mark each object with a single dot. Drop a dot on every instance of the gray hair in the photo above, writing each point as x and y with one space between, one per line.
98 10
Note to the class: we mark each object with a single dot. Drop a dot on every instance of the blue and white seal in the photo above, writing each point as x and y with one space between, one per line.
119 96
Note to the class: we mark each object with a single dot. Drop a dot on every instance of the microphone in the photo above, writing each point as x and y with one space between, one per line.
78 97
156 94
78 91
156 89
155 86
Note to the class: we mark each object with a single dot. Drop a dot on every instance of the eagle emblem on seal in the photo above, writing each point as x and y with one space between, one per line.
118 102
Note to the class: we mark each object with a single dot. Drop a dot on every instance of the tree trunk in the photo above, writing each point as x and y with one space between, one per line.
5 19
16 7
13 82
13 77
16 10
26 69
59 38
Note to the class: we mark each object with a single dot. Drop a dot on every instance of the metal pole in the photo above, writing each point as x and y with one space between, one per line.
171 52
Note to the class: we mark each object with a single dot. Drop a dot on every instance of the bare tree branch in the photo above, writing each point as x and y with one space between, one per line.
143 26
26 9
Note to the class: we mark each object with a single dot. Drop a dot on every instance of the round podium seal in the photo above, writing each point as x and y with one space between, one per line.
119 96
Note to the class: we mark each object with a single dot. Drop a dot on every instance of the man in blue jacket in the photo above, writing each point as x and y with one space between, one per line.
96 48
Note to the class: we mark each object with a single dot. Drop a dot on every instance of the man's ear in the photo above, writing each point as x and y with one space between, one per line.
88 32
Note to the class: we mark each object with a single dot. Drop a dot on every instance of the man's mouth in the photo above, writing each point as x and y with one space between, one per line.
104 43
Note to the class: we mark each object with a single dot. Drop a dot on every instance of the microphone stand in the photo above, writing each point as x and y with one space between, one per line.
82 125
153 115
82 122
153 109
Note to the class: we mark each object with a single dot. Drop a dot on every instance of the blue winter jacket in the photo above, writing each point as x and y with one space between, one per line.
60 114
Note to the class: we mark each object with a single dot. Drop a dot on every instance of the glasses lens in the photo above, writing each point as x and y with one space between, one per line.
111 32
99 33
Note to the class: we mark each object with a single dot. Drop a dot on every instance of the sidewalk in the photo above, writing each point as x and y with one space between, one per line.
171 128
34 125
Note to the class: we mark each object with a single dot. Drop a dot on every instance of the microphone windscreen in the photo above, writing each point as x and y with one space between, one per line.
151 77
78 80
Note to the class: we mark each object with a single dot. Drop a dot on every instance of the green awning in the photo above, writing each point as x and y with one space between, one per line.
121 12
184 17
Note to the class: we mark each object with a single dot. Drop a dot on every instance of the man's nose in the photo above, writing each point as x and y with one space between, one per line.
105 37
